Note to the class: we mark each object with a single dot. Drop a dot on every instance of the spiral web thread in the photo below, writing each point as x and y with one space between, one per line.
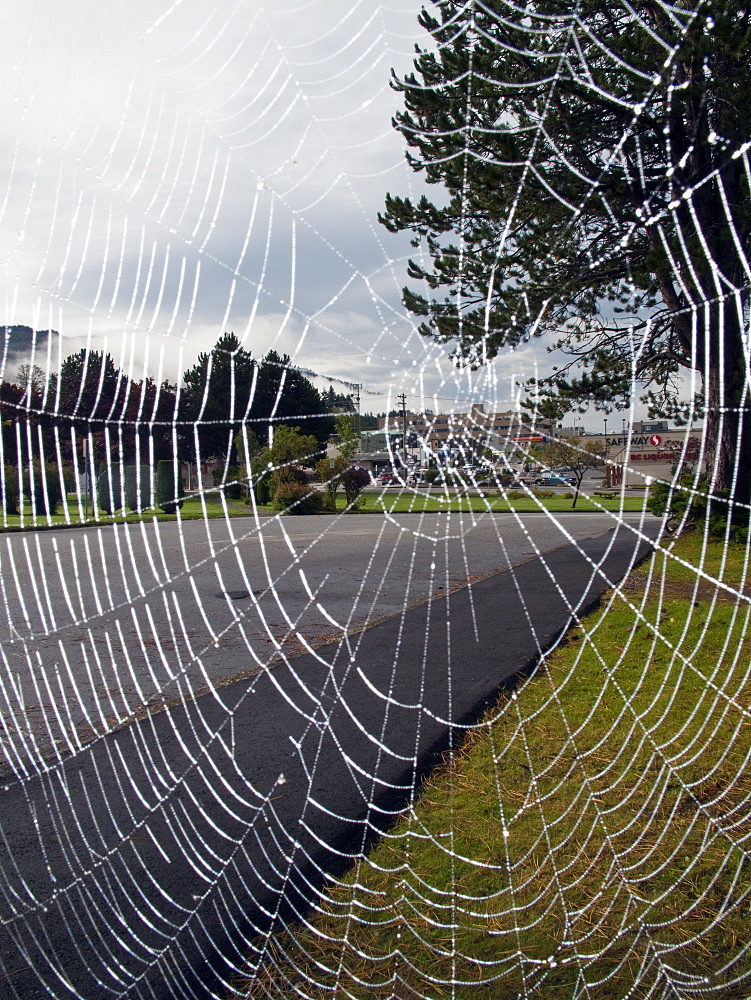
183 702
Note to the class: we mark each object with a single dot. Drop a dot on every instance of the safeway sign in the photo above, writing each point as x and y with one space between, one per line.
656 440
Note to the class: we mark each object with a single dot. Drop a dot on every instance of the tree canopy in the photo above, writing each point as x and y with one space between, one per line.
576 455
227 388
227 397
594 164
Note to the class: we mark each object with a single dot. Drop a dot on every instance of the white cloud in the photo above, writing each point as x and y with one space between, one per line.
171 175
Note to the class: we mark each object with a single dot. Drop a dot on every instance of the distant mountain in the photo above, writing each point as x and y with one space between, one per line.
16 345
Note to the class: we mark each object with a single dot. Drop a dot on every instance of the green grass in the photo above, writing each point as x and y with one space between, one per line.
403 502
192 509
597 819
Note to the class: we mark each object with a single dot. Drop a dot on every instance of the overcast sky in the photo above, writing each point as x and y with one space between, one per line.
173 171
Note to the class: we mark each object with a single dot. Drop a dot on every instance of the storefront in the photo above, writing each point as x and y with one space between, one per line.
651 456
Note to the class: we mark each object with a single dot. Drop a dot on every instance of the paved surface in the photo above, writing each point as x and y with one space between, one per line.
99 624
142 863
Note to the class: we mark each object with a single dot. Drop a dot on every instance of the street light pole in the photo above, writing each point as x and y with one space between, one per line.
402 397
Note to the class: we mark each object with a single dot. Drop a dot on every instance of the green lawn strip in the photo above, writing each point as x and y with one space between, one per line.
392 503
597 819
418 502
192 509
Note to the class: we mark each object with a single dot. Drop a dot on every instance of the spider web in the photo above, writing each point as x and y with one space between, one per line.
207 724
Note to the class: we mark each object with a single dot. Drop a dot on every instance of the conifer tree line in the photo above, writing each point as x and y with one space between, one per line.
91 410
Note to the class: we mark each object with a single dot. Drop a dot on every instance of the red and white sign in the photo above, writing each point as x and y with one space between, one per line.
655 440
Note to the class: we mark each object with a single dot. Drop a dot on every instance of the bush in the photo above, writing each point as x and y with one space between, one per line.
297 498
430 476
354 482
169 490
138 487
11 496
228 480
69 478
686 501
42 484
110 489
262 488
330 473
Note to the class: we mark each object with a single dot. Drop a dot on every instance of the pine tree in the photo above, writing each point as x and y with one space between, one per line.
594 158
217 398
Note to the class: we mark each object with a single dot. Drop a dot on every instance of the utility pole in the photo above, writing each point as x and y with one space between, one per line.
402 397
356 386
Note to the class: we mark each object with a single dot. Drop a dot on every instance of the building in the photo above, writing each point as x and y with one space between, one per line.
649 450
459 436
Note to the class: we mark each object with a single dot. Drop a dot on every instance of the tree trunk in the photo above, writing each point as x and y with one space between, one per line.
728 413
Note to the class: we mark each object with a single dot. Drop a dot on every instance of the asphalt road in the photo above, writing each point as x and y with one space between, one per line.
152 831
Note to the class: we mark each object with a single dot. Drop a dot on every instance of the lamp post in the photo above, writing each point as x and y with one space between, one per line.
86 476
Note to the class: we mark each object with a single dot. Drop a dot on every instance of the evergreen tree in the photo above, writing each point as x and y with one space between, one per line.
92 396
169 488
594 161
139 487
284 394
149 432
227 389
217 399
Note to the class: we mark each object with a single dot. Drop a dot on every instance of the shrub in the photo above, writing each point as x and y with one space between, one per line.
297 498
677 499
687 502
169 486
430 476
354 482
138 487
42 484
11 496
69 477
110 489
262 489
330 472
228 480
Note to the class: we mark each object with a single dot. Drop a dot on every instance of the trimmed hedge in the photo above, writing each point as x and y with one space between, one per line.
42 484
11 496
138 487
169 490
110 489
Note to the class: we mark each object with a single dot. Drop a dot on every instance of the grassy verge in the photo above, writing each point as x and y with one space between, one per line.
192 509
591 837
404 502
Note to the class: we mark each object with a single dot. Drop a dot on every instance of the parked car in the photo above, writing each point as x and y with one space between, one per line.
553 481
389 479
